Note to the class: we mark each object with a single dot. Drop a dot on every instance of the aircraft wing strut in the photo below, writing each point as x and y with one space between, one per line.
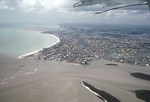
119 8
110 3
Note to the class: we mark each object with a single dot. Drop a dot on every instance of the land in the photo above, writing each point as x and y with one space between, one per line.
104 96
82 44
145 58
143 94
112 64
141 76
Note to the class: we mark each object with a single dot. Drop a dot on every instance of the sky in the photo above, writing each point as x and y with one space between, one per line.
62 11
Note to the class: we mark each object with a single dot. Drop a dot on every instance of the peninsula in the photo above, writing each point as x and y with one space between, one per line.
82 44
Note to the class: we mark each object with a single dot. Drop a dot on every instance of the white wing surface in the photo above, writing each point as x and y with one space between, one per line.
116 4
94 2
112 3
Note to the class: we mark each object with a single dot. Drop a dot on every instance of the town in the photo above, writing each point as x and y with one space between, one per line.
81 46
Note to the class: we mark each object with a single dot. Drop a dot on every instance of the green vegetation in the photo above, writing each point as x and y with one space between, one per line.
141 76
104 94
143 94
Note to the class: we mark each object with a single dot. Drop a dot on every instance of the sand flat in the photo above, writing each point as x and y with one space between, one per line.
60 82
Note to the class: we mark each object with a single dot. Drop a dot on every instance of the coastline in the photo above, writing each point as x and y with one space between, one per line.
104 96
41 81
32 53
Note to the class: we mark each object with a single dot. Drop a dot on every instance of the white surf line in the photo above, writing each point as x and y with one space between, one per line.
31 53
28 54
103 99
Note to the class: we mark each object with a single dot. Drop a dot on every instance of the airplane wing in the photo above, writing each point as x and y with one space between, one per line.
84 0
148 3
118 8
105 3
82 3
112 3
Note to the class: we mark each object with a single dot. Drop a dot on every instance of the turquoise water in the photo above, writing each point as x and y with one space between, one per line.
15 42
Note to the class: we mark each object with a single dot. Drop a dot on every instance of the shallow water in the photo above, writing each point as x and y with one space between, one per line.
50 81
15 42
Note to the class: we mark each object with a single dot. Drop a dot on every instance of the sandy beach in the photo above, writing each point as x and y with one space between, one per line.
31 54
30 80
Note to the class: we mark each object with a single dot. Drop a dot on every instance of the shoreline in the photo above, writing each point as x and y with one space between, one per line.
104 96
103 99
73 56
32 53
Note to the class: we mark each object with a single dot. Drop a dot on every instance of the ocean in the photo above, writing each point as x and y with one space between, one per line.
16 41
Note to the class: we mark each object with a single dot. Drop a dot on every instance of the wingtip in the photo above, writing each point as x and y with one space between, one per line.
77 4
148 4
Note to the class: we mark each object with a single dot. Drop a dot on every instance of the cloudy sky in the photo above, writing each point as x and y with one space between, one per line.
62 11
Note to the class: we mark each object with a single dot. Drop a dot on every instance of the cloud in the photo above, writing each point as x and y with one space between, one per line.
4 6
65 7
63 11
128 14
128 17
43 6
